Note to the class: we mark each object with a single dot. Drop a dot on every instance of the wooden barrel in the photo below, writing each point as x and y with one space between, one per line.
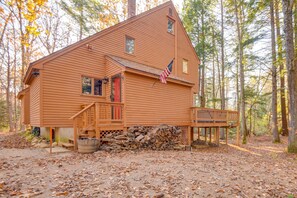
89 145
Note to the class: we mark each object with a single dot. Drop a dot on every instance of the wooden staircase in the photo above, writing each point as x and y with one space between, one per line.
97 117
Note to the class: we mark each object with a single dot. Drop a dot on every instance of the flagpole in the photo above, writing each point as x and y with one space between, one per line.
160 74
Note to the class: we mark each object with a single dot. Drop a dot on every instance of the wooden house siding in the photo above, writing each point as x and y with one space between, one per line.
35 102
159 104
62 94
185 52
61 85
25 108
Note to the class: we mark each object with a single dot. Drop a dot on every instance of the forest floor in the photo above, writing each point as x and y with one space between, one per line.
258 169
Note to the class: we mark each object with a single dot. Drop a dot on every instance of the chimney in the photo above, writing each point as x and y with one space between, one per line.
131 8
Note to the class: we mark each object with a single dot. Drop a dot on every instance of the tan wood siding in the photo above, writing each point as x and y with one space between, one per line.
25 108
150 105
185 51
62 94
61 85
35 102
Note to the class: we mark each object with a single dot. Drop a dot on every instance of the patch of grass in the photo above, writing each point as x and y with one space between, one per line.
63 139
244 140
290 196
276 141
292 148
47 137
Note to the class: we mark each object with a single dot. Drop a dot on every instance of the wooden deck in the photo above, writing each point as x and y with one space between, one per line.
205 117
110 116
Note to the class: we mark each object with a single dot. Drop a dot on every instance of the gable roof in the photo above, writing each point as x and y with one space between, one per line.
104 32
22 93
127 64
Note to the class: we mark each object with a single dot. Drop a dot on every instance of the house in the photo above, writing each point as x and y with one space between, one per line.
110 80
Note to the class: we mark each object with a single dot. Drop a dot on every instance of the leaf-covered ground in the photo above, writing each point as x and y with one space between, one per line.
259 169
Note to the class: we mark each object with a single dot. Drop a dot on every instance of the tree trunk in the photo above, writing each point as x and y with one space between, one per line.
285 131
222 57
213 71
8 98
22 42
241 78
274 126
222 133
295 23
203 60
292 74
4 27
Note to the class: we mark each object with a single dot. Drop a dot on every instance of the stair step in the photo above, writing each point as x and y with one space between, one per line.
83 135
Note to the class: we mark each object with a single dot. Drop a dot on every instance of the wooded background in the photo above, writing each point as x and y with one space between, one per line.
246 49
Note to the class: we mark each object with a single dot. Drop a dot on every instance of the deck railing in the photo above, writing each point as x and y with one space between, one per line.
97 116
205 117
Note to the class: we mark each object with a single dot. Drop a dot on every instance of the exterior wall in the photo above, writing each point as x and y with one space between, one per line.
61 134
64 133
35 102
185 51
159 104
25 108
62 95
61 85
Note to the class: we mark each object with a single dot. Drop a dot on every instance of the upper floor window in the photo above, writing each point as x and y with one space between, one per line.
170 26
130 45
91 86
185 66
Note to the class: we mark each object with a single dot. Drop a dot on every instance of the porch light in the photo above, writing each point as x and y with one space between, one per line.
105 80
35 73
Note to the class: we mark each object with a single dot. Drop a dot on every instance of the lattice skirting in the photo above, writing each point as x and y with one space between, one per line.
104 133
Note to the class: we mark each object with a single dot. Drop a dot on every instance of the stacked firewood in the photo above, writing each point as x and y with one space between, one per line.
162 137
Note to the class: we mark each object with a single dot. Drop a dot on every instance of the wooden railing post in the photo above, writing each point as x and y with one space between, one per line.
124 114
97 109
191 116
75 133
227 118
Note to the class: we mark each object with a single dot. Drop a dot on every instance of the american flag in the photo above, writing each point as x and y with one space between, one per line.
166 72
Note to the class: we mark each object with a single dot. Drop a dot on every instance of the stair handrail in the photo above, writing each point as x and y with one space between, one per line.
83 110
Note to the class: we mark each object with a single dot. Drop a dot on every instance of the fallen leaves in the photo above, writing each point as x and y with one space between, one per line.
208 172
13 140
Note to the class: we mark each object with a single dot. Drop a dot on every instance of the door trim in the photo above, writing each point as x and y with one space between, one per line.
112 84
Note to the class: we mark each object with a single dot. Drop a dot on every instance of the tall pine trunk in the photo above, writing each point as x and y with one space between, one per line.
285 131
213 71
274 126
8 98
241 77
223 103
203 60
292 74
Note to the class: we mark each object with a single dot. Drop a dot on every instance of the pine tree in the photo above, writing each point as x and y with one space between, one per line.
292 73
274 124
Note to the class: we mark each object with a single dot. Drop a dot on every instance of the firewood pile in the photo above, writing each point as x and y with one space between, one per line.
162 137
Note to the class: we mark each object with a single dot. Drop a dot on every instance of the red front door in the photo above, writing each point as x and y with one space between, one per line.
116 96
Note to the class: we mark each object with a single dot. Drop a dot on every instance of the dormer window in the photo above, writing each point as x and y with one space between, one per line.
170 26
130 45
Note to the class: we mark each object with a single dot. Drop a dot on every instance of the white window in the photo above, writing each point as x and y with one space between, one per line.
185 66
130 45
170 26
